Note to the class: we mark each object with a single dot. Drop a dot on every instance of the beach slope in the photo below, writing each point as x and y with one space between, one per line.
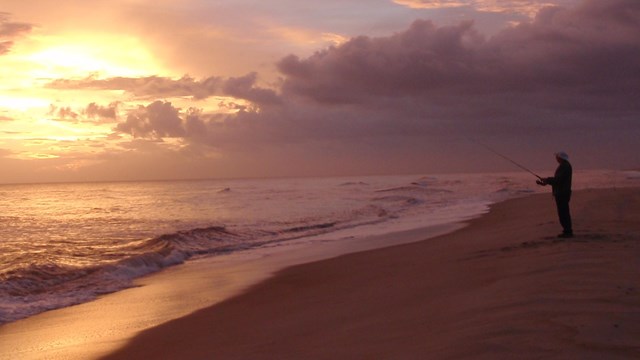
503 287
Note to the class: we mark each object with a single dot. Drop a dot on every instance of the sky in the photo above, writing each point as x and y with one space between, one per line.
119 90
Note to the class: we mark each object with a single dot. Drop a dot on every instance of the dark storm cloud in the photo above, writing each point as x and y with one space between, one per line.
9 31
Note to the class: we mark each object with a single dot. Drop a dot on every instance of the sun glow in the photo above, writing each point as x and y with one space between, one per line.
41 59
30 128
20 103
107 55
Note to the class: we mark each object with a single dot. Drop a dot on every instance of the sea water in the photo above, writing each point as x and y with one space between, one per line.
64 244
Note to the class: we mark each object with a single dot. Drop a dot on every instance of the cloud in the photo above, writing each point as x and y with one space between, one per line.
428 4
64 113
525 7
157 120
105 113
244 87
563 58
9 31
404 103
416 61
92 113
146 87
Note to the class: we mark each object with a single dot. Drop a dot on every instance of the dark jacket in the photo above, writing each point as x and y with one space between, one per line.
561 180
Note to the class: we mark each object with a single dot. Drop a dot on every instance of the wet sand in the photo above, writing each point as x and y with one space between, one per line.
503 287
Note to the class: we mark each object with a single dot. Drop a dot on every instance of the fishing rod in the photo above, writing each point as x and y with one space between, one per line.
506 158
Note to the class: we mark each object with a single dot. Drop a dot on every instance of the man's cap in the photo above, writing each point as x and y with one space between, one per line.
562 155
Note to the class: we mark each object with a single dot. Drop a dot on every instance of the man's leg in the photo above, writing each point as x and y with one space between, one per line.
564 214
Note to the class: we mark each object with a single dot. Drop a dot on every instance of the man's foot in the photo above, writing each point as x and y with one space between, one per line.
565 235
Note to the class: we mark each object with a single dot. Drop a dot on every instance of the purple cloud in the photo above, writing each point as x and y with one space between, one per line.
568 77
157 120
420 60
244 88
590 51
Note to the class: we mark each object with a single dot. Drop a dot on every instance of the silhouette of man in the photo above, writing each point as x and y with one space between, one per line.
561 188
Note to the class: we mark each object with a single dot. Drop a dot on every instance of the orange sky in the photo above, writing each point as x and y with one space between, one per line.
139 89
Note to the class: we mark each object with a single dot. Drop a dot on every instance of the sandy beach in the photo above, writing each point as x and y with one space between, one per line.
503 287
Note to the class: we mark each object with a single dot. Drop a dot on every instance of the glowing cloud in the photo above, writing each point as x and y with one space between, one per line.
428 4
526 7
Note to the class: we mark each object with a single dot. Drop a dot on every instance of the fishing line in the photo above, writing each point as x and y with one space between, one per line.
506 158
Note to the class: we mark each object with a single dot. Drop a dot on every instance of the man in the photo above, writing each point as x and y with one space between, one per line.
561 188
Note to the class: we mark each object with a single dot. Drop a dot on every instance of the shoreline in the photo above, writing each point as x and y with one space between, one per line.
502 287
99 327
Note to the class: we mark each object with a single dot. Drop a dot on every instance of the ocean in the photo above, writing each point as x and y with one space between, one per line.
65 244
